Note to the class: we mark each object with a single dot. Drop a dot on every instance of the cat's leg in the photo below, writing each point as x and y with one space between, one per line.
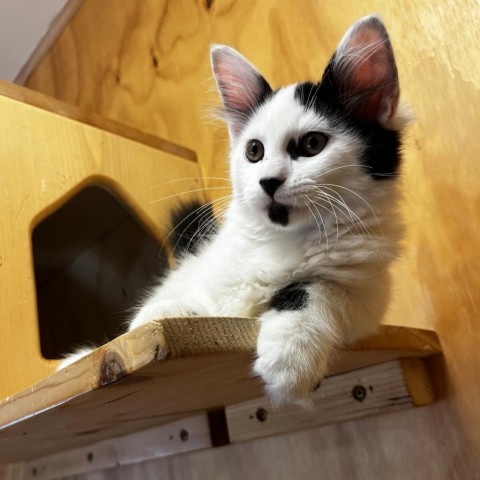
304 326
160 306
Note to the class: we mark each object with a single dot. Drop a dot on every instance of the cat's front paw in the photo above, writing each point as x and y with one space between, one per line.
285 381
290 364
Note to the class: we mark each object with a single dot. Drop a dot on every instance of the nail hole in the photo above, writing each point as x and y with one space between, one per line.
184 435
261 414
90 457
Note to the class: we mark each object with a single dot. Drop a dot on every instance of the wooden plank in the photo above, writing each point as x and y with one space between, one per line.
13 471
386 390
182 436
89 117
146 377
378 389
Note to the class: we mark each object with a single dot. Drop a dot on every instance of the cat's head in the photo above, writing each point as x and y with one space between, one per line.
311 150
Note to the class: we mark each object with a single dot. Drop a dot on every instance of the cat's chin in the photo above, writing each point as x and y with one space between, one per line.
285 217
279 214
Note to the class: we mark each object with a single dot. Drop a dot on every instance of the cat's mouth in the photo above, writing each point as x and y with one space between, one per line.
278 213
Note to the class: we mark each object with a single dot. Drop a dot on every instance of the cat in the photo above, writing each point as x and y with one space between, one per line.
313 226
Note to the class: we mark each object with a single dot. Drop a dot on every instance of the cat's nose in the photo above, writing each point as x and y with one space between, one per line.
271 184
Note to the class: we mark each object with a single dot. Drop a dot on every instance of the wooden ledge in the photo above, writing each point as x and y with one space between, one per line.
158 373
36 99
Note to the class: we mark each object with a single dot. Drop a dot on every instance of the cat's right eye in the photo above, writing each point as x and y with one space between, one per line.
254 151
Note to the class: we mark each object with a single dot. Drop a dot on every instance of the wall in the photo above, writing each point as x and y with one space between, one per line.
146 64
23 23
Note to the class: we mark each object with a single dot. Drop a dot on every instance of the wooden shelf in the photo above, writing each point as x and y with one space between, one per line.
159 373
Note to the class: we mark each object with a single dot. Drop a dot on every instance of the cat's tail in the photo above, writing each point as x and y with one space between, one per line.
193 224
73 357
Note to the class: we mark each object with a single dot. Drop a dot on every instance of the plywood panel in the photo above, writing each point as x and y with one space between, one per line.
45 159
152 72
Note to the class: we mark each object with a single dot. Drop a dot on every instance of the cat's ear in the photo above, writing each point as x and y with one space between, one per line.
364 73
241 86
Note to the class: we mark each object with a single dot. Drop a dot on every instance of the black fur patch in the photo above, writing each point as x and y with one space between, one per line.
192 225
292 149
266 93
291 297
381 153
278 213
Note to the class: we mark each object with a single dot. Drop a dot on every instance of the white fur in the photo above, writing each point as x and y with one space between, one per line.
250 259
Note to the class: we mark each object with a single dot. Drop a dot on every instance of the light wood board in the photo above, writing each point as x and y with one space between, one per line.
374 390
155 374
46 158
382 388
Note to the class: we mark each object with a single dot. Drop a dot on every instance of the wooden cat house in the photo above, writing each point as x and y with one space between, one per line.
85 206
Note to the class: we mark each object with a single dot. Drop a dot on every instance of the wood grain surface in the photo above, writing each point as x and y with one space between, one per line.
46 159
383 388
156 373
148 67
374 390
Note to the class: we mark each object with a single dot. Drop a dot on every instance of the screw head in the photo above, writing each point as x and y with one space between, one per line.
359 392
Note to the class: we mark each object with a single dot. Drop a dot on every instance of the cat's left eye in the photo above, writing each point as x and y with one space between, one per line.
311 144
254 151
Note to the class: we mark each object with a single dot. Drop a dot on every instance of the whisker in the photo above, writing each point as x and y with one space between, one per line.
202 209
187 192
307 201
362 199
184 179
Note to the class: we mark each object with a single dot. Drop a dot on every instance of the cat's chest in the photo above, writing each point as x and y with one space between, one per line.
279 261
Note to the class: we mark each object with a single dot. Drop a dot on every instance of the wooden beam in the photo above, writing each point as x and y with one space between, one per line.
156 374
383 388
68 110
182 436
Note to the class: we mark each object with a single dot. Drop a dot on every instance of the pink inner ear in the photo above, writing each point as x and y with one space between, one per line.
370 62
238 81
369 71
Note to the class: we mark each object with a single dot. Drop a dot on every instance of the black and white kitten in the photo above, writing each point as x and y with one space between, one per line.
312 227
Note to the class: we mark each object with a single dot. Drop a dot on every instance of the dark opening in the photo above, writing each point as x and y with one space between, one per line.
93 262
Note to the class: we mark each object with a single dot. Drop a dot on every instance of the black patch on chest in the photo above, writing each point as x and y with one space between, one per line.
381 147
291 297
278 213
